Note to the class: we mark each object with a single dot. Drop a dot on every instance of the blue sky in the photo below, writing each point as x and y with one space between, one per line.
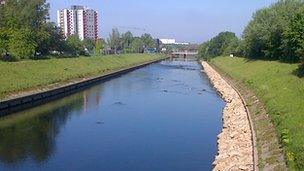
184 20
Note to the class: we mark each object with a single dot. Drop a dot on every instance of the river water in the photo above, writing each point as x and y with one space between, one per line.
162 117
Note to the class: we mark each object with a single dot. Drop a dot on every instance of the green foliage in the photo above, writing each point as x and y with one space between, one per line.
223 44
294 34
114 41
294 39
50 39
274 33
281 92
300 71
203 50
75 45
127 39
264 36
25 20
19 16
127 43
137 45
148 41
21 44
99 47
4 39
234 47
1 16
89 45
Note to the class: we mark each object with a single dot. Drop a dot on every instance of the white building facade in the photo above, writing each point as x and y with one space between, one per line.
79 21
168 41
172 42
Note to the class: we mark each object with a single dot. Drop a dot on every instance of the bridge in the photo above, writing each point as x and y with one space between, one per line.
184 54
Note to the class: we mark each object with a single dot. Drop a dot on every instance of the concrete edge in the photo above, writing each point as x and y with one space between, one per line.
253 133
7 105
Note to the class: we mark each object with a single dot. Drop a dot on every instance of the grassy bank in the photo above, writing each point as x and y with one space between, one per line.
27 75
282 93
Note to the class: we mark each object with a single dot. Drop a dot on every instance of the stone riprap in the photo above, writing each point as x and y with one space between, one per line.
235 147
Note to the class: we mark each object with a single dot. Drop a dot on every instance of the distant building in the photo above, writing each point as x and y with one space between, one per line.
182 43
172 42
168 41
79 21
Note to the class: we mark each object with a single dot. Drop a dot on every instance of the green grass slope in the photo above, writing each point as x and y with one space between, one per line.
30 74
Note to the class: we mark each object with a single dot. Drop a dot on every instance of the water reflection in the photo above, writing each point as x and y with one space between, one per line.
32 133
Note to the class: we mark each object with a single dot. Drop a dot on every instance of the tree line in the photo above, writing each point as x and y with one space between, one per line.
127 43
224 43
27 33
274 33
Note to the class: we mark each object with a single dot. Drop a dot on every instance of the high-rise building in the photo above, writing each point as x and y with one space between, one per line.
79 21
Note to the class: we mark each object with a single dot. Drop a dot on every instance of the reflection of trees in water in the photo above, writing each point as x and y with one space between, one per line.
34 137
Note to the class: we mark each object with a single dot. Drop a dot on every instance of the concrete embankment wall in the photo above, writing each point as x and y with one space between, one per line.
235 143
42 96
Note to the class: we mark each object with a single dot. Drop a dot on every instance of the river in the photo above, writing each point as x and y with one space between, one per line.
165 116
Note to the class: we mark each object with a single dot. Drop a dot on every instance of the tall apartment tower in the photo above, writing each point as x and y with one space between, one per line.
79 21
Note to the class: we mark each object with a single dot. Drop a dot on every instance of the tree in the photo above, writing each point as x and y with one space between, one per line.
1 16
4 39
219 43
99 46
234 47
148 41
294 38
21 44
203 50
27 14
127 39
137 45
74 45
31 14
294 35
89 44
114 41
263 37
222 44
51 39
34 14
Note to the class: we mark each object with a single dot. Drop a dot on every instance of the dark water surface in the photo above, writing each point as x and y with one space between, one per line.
165 117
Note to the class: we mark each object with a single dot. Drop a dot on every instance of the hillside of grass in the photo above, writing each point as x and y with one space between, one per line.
29 74
282 92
